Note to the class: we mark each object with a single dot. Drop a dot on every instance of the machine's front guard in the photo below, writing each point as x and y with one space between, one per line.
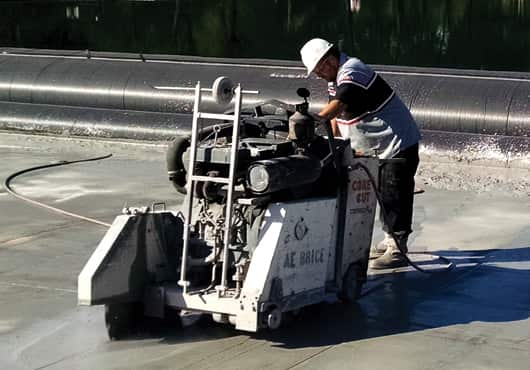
140 248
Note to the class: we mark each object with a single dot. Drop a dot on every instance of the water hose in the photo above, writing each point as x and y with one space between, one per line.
8 188
391 232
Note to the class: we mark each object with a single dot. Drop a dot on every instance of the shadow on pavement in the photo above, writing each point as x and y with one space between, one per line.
488 286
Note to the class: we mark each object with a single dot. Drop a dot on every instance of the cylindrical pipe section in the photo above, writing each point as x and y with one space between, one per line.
103 123
132 85
477 102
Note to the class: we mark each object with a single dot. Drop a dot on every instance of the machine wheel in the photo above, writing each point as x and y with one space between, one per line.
274 318
351 284
120 319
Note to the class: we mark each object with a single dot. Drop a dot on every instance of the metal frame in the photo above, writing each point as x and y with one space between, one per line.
192 179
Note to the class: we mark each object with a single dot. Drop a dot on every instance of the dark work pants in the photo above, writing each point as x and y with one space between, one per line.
396 185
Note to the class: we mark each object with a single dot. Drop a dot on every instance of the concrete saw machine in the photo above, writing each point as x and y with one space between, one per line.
277 215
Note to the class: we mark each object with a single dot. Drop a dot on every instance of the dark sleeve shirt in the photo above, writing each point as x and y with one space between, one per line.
362 90
375 119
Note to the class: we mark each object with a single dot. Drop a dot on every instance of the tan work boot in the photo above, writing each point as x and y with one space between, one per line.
392 258
380 248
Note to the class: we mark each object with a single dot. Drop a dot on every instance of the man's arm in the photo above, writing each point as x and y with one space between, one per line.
330 111
335 128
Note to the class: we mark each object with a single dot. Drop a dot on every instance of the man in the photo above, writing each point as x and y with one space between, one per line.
365 109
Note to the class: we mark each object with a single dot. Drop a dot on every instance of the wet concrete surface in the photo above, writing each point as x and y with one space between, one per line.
476 316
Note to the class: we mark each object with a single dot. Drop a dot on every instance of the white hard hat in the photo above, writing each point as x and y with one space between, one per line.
313 51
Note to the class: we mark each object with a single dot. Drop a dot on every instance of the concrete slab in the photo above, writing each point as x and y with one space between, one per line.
477 316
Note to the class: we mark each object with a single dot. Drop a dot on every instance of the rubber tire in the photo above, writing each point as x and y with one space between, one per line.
121 319
351 284
274 318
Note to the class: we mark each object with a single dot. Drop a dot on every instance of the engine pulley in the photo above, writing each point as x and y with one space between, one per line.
223 90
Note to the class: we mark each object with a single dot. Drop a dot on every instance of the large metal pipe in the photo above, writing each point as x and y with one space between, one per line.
95 122
457 101
116 82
